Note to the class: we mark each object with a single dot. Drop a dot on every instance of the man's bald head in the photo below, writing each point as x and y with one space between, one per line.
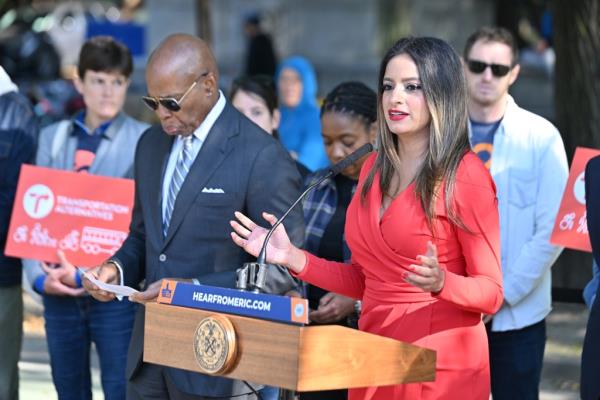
183 69
183 54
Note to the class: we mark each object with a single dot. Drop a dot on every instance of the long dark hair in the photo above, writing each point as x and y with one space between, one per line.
444 87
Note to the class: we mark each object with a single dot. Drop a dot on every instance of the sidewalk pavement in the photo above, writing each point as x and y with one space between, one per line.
560 377
34 367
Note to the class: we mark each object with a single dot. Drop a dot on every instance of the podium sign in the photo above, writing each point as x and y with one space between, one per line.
231 301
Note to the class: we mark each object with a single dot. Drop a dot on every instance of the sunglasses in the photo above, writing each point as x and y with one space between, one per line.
170 103
498 70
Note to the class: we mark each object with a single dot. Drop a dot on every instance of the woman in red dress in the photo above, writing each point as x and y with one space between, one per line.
422 227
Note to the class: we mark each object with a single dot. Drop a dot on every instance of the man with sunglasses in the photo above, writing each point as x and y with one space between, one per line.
526 157
203 162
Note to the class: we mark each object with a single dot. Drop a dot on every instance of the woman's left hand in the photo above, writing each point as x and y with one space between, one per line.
427 276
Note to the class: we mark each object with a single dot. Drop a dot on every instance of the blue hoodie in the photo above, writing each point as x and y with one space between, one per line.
300 127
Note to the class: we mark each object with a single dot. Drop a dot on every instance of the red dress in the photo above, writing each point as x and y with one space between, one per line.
449 321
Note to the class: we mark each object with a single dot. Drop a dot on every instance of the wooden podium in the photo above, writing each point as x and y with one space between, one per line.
289 356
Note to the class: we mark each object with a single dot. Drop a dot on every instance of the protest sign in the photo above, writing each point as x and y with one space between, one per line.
86 216
570 226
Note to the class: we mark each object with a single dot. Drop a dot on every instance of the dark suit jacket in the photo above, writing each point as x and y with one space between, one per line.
590 359
255 173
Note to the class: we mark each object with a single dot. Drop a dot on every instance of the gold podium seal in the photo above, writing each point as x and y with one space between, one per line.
215 345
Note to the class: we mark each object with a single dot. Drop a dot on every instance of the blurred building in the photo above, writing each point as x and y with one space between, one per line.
344 39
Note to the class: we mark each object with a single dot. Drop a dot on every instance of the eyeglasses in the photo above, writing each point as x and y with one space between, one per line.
498 70
170 103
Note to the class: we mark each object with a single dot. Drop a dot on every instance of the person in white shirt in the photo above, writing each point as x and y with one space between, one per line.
527 160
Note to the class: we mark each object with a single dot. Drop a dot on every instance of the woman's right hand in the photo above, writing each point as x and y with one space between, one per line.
280 250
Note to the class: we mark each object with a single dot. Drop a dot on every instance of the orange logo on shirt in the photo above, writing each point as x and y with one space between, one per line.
482 149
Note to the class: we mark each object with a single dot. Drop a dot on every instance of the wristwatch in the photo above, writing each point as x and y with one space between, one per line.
119 268
357 307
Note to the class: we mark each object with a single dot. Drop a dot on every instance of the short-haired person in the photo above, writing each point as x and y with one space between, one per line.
192 171
422 227
100 140
348 121
256 98
527 160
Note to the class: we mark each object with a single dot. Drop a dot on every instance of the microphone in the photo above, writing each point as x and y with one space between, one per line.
256 277
351 159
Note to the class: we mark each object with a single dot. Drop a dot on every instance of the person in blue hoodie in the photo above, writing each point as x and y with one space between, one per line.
300 128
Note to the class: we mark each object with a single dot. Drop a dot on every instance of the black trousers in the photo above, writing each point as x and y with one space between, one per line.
516 359
341 394
152 383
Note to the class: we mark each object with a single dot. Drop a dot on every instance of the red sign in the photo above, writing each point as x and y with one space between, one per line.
86 216
570 227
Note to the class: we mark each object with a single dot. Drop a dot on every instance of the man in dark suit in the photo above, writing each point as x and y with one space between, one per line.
203 163
590 358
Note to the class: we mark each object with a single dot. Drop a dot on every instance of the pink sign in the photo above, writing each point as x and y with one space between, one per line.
570 227
86 216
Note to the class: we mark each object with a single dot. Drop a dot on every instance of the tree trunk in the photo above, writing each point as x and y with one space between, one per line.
577 78
577 102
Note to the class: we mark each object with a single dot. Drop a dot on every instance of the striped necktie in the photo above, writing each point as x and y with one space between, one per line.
184 161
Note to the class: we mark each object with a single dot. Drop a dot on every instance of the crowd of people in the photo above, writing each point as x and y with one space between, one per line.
439 238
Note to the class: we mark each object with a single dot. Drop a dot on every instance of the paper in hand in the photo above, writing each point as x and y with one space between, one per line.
119 290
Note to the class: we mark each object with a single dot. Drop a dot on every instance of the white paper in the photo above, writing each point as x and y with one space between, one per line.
119 290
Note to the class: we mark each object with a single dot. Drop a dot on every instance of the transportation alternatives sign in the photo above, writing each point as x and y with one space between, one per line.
86 216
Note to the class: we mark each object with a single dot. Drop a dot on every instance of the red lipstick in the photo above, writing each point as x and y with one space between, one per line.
397 115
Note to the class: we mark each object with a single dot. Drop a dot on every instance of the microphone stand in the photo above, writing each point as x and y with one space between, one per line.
253 275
